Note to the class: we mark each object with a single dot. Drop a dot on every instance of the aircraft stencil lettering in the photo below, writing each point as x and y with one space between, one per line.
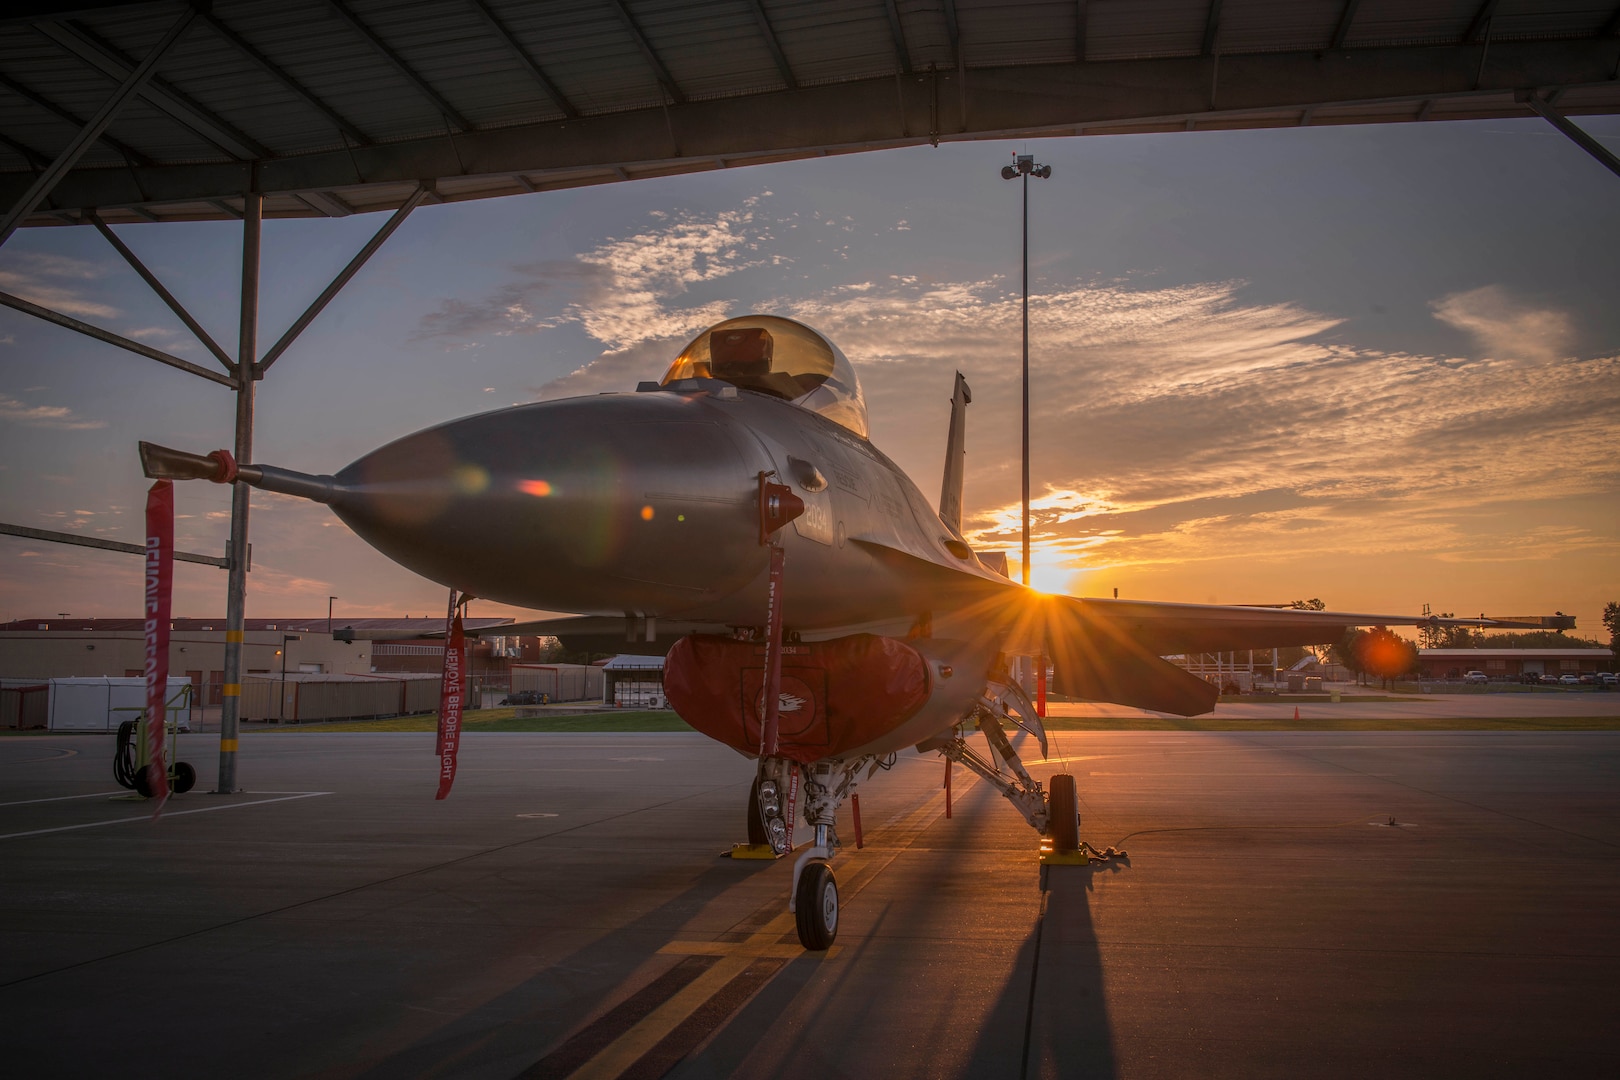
655 502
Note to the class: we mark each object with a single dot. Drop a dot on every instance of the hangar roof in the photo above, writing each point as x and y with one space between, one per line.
331 107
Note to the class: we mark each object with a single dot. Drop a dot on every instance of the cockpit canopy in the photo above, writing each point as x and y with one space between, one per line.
780 357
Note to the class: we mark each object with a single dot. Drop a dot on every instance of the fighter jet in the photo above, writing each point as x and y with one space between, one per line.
818 614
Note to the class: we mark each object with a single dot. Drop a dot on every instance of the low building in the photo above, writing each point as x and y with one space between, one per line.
635 682
69 648
1509 664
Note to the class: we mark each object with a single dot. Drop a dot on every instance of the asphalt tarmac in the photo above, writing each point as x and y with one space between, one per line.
1330 904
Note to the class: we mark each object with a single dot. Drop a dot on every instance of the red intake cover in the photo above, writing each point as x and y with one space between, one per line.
836 695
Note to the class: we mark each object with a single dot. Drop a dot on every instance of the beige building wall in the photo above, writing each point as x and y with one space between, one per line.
65 653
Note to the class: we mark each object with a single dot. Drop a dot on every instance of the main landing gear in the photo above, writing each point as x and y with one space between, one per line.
1009 703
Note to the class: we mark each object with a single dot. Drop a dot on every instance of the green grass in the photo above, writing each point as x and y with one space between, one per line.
504 720
1348 723
664 720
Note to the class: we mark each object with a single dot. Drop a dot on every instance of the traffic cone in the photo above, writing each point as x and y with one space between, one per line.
1296 712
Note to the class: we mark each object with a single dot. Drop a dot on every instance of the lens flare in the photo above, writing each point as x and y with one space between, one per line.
538 488
646 513
471 479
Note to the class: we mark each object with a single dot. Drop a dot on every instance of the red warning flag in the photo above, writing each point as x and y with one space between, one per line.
155 612
770 718
450 702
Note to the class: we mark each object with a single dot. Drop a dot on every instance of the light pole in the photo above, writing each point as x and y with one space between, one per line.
1025 167
329 600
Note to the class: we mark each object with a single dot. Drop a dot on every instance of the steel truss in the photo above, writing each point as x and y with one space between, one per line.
241 372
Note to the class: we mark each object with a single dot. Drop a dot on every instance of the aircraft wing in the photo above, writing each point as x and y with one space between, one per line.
1112 650
1165 628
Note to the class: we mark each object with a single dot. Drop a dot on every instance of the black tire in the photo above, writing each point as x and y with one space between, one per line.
756 824
815 907
138 782
1063 813
185 777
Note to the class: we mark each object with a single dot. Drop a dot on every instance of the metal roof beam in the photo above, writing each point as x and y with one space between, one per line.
842 117
326 203
1481 17
529 63
342 279
90 49
1212 27
17 303
769 34
1346 17
898 33
270 68
163 294
34 158
660 72
1579 137
387 53
130 154
129 85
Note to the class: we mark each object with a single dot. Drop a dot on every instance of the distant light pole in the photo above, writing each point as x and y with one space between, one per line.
1026 168
329 600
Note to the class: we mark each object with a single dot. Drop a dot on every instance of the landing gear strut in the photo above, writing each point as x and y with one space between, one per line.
813 896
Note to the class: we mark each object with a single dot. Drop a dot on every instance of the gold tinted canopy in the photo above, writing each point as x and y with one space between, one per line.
786 359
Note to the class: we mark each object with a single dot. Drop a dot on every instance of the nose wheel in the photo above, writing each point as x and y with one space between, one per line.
815 907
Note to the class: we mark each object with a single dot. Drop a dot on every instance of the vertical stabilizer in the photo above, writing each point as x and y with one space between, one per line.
950 492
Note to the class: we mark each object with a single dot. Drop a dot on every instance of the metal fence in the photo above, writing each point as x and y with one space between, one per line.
559 682
306 697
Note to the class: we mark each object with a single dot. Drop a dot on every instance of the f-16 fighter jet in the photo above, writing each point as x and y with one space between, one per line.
818 614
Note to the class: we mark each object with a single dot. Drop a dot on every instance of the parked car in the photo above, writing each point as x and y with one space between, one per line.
522 697
1476 677
1570 679
1608 678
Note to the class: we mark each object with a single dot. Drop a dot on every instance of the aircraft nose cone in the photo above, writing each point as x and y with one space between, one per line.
640 502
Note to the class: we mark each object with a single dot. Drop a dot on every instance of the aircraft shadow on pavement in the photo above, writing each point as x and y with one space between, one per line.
527 1021
1055 998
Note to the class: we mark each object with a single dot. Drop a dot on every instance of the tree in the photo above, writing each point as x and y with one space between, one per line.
1611 619
1346 652
1313 604
1385 654
1379 652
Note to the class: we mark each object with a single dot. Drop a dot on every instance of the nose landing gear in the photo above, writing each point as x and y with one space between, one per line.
815 906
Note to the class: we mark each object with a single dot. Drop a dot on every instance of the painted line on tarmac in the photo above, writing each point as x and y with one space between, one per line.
170 814
62 798
658 1026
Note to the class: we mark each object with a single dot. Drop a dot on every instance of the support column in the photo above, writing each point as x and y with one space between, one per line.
236 600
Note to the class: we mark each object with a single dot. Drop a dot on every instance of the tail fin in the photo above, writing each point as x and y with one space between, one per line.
950 492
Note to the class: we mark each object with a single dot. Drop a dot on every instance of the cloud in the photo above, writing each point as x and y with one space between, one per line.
27 274
45 416
1173 424
624 291
1508 328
